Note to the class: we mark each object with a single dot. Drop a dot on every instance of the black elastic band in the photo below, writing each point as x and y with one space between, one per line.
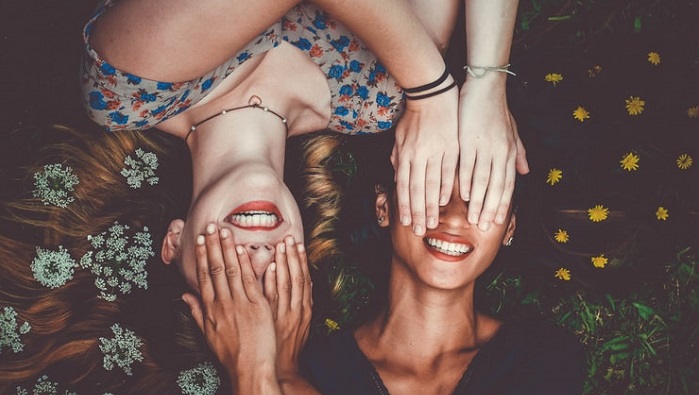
435 93
429 86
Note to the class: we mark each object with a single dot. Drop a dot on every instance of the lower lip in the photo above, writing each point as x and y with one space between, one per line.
444 257
258 205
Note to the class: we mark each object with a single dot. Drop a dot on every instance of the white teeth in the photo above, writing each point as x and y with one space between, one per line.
255 218
445 247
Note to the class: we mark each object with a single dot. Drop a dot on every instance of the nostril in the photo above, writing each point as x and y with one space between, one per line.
269 247
254 247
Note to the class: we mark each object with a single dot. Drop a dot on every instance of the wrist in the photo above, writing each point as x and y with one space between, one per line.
255 378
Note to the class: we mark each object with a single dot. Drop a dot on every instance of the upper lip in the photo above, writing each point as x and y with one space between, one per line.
450 238
256 215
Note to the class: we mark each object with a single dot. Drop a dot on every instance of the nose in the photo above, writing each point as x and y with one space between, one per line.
455 213
261 254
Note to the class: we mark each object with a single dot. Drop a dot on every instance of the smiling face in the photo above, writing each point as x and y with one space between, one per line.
255 205
450 256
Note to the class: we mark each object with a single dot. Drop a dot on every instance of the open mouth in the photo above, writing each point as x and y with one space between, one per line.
257 215
448 248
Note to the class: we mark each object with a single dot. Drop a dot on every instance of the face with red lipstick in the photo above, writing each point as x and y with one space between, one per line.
258 209
452 255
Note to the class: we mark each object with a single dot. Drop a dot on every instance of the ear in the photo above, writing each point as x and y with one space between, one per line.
511 226
171 241
381 207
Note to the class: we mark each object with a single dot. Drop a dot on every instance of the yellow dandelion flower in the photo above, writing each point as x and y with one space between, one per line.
630 161
332 325
562 274
599 261
581 114
662 214
594 72
554 78
634 105
561 236
554 176
654 58
598 213
693 112
684 161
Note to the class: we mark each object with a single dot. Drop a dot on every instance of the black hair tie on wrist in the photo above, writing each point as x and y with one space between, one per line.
429 86
435 93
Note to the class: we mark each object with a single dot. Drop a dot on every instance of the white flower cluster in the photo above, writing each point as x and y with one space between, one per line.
10 330
53 268
140 169
43 387
55 184
119 261
200 380
122 350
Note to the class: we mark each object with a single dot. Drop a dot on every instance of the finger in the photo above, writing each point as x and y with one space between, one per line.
206 288
506 199
448 173
196 310
270 288
247 276
433 185
493 193
521 161
283 280
232 265
417 196
308 285
403 192
481 176
467 161
217 268
296 274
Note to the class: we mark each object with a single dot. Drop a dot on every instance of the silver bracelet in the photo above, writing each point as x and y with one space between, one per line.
480 71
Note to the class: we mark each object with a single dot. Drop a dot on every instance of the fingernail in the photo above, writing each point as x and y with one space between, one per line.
210 229
405 220
272 267
443 200
300 247
282 247
240 250
418 230
225 233
484 226
200 240
290 240
431 222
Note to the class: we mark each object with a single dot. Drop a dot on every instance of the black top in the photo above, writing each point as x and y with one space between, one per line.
521 358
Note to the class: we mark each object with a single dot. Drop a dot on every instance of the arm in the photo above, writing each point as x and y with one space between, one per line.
490 148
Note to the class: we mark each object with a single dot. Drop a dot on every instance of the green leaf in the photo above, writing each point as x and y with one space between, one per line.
637 24
644 311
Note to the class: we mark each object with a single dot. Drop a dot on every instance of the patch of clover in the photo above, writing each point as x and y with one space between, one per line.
10 330
53 269
200 380
122 350
141 169
43 386
119 260
55 185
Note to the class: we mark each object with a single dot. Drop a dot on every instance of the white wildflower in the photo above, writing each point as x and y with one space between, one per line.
200 380
140 169
55 184
53 268
10 330
119 260
122 350
45 386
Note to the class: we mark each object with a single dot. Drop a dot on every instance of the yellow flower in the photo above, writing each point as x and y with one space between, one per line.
630 161
693 112
598 213
654 58
662 214
593 72
554 176
581 114
553 78
599 261
561 236
562 274
634 105
684 161
332 325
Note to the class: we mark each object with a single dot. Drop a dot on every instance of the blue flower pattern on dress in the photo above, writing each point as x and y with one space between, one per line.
364 98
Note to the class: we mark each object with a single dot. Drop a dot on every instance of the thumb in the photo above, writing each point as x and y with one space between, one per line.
195 307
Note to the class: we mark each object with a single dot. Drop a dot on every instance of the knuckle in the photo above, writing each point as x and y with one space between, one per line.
202 275
287 285
232 272
248 278
299 280
216 269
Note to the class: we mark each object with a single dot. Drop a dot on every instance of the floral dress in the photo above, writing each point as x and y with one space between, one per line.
364 98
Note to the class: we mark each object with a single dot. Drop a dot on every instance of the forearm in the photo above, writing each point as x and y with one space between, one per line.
392 32
489 28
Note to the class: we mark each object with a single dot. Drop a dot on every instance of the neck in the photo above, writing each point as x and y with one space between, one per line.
233 142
